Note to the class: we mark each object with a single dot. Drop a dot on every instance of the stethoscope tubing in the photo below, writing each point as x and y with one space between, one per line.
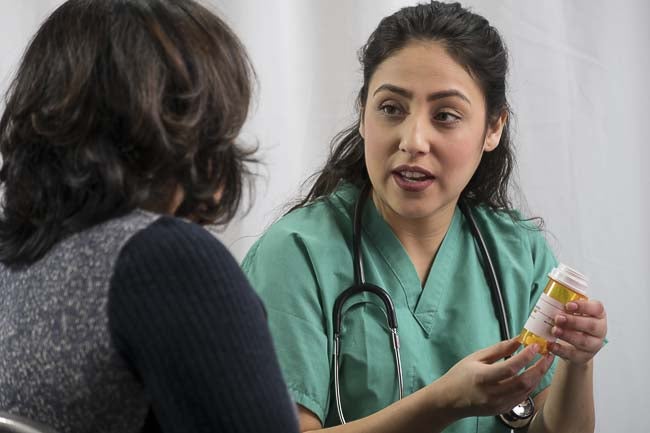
361 286
511 419
490 271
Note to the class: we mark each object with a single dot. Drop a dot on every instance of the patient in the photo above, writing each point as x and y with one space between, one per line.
118 313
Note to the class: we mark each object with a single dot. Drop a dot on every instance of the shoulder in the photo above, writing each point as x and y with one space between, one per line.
170 238
322 225
521 255
171 248
507 223
511 232
175 271
96 247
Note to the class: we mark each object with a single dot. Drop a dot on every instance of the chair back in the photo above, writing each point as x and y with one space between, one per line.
10 423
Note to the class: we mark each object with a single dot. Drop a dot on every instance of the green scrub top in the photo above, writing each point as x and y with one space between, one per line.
304 261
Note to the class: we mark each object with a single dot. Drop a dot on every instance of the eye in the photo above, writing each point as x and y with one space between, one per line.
390 109
446 117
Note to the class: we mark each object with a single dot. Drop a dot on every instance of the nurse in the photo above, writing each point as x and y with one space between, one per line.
433 129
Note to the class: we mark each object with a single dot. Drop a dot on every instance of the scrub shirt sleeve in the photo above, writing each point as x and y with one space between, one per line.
280 269
543 261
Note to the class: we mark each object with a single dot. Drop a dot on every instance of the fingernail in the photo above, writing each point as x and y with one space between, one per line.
560 319
556 331
571 306
535 348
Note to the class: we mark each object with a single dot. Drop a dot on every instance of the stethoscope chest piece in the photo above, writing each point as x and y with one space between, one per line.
520 415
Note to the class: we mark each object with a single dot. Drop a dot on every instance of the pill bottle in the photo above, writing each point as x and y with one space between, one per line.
564 285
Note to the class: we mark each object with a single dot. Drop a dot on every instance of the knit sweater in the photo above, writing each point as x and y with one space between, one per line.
140 324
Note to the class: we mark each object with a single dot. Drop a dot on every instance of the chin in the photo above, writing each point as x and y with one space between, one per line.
413 210
419 208
417 214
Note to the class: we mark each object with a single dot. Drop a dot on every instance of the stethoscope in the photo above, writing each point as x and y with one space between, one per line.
520 415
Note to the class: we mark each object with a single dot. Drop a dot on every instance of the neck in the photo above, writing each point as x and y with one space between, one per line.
420 237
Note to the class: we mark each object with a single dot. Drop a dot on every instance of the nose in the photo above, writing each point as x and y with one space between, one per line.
416 137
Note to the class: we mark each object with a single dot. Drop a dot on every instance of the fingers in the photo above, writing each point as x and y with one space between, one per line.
522 385
587 307
571 353
584 330
580 340
586 324
498 351
510 367
507 393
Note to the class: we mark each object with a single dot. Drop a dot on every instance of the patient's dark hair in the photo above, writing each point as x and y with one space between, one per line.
117 103
472 42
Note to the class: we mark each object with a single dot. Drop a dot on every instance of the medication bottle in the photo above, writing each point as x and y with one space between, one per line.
564 285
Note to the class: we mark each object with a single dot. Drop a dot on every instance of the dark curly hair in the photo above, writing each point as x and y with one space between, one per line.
117 104
470 40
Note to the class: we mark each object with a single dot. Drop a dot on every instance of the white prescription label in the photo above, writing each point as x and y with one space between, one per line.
542 318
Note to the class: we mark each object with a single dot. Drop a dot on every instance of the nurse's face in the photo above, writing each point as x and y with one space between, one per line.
424 127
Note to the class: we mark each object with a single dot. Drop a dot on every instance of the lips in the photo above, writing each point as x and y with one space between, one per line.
412 178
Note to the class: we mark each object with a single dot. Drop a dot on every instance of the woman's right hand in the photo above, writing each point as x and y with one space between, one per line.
483 384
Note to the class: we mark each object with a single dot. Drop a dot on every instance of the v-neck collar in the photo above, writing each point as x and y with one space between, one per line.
422 301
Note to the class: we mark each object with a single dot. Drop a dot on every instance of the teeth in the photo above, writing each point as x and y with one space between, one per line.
412 175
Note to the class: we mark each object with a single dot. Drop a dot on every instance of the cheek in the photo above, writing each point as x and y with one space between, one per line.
373 157
464 148
378 144
461 158
465 154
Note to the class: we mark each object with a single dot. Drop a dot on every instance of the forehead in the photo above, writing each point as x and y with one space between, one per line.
423 67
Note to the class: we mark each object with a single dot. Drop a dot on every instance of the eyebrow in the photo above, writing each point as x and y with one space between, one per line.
430 97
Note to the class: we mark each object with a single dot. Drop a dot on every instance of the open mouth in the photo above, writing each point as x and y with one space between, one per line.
413 176
413 179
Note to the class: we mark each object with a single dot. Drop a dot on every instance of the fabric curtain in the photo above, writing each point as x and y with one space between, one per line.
580 93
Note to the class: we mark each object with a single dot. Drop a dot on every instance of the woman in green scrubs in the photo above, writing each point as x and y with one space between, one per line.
433 129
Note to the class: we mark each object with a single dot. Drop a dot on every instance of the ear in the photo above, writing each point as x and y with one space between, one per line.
494 130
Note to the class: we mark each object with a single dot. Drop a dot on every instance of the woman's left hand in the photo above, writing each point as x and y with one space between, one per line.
582 330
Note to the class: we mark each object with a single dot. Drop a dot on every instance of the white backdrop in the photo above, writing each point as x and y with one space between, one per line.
579 88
